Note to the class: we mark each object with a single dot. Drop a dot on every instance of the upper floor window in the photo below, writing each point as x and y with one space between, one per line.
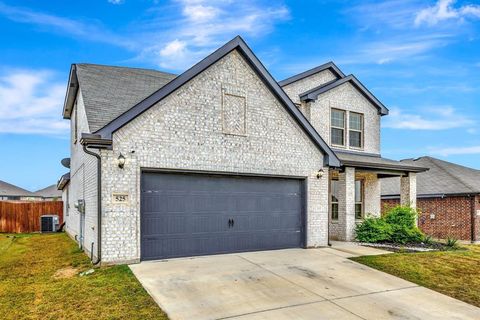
338 127
355 130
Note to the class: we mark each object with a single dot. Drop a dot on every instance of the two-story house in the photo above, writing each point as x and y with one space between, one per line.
221 158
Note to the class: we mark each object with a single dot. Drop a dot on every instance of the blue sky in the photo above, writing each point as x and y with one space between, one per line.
420 58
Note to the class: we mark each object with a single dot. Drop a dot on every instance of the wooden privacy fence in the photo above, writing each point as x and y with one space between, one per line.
24 216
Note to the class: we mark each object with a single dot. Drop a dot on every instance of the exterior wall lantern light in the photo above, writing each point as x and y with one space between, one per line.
320 173
121 161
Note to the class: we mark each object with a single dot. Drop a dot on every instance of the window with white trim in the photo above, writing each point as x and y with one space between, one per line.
337 123
359 196
334 189
355 130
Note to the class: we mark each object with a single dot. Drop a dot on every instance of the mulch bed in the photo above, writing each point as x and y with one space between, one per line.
411 247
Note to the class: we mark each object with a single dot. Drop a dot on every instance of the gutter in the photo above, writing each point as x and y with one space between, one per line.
96 142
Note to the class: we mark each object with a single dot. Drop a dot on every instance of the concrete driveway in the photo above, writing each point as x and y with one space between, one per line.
290 284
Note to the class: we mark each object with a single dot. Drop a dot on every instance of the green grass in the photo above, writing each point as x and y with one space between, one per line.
32 287
454 273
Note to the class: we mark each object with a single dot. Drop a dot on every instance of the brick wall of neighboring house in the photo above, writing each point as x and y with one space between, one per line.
444 217
477 218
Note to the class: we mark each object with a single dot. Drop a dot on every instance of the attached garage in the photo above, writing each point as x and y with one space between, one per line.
197 214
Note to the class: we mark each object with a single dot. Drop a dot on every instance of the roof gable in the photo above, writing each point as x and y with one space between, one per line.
327 66
235 44
313 94
109 91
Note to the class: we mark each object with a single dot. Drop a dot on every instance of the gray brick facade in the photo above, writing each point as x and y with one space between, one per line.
186 131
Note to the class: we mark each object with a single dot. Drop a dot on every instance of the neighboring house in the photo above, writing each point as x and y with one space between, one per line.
50 193
10 192
448 196
221 158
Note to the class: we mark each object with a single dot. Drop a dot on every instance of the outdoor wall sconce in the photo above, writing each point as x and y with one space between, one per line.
121 161
320 173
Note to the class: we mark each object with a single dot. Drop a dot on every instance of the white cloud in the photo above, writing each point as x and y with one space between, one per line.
456 151
205 25
438 118
115 1
401 47
31 103
444 10
85 30
192 27
199 12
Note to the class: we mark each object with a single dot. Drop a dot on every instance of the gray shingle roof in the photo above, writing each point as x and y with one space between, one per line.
442 178
375 161
109 91
49 192
7 189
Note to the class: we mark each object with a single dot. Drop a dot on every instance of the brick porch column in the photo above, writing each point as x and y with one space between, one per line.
408 190
346 204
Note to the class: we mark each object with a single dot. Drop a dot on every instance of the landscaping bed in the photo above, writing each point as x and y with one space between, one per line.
411 247
40 279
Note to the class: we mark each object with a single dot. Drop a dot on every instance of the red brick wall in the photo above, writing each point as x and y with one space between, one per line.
477 218
452 216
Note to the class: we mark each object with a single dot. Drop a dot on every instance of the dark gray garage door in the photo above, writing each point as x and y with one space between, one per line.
197 214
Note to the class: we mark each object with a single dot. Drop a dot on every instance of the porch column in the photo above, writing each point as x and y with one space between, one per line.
408 190
346 204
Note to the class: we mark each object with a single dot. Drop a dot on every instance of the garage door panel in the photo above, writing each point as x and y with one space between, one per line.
188 214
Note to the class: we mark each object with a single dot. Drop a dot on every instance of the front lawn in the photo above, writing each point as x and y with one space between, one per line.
39 280
454 273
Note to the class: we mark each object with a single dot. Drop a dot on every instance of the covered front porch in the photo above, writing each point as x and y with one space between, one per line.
355 190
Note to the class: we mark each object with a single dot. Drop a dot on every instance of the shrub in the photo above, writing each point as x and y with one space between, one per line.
428 240
452 243
398 225
402 220
373 230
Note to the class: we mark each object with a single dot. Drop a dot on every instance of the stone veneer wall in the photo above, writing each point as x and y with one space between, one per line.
186 131
344 227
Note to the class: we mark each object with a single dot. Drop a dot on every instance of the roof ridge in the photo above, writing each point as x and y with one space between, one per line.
299 76
435 162
122 67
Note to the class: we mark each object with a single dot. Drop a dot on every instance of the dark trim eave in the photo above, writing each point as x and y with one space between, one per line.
312 95
239 44
393 167
433 195
327 66
63 181
95 141
71 94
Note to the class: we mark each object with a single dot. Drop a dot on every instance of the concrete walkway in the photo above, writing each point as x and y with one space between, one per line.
290 284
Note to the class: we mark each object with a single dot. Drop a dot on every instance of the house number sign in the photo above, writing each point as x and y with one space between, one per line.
120 197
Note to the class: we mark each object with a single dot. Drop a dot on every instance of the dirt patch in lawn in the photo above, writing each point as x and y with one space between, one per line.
65 273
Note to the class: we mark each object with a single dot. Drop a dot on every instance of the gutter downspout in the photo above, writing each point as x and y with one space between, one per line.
99 203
